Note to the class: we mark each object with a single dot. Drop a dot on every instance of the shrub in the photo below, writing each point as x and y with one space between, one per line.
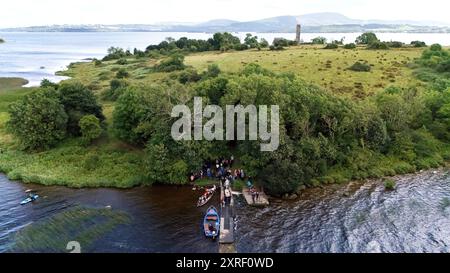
122 74
45 83
418 44
331 46
90 128
115 53
319 40
188 75
240 47
173 63
360 67
436 47
276 48
443 66
350 46
389 184
122 62
116 88
395 44
38 120
97 62
282 42
377 46
212 72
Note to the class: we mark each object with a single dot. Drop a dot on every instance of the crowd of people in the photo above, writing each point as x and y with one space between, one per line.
217 169
222 169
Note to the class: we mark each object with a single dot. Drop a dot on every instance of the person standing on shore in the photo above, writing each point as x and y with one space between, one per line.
227 196
253 193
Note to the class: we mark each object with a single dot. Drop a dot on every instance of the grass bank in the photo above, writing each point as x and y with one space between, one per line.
75 166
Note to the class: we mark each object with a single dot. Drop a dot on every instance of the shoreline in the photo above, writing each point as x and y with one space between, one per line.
11 83
441 169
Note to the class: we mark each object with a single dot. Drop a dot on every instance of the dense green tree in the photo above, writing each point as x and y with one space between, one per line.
127 116
38 120
161 168
45 83
251 41
319 40
367 38
90 128
115 53
263 43
78 101
281 177
418 44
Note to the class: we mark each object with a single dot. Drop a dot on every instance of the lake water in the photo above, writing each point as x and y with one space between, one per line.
35 56
354 217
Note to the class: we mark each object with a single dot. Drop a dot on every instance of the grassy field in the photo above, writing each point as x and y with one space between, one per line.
327 68
323 67
98 77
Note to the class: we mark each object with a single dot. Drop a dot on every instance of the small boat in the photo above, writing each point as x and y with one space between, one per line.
30 199
211 223
204 199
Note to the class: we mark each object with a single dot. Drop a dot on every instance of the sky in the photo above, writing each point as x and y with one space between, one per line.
14 13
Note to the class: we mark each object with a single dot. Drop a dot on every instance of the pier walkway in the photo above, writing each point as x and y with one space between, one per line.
226 237
263 200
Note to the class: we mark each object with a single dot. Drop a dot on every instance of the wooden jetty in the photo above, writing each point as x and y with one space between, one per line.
226 237
263 200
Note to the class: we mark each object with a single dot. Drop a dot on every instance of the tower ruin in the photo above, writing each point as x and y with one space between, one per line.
298 32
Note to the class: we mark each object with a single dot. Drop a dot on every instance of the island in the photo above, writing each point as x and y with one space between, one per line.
369 109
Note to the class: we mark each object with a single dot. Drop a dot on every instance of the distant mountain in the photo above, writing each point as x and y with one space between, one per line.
326 18
315 22
274 24
217 23
332 18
